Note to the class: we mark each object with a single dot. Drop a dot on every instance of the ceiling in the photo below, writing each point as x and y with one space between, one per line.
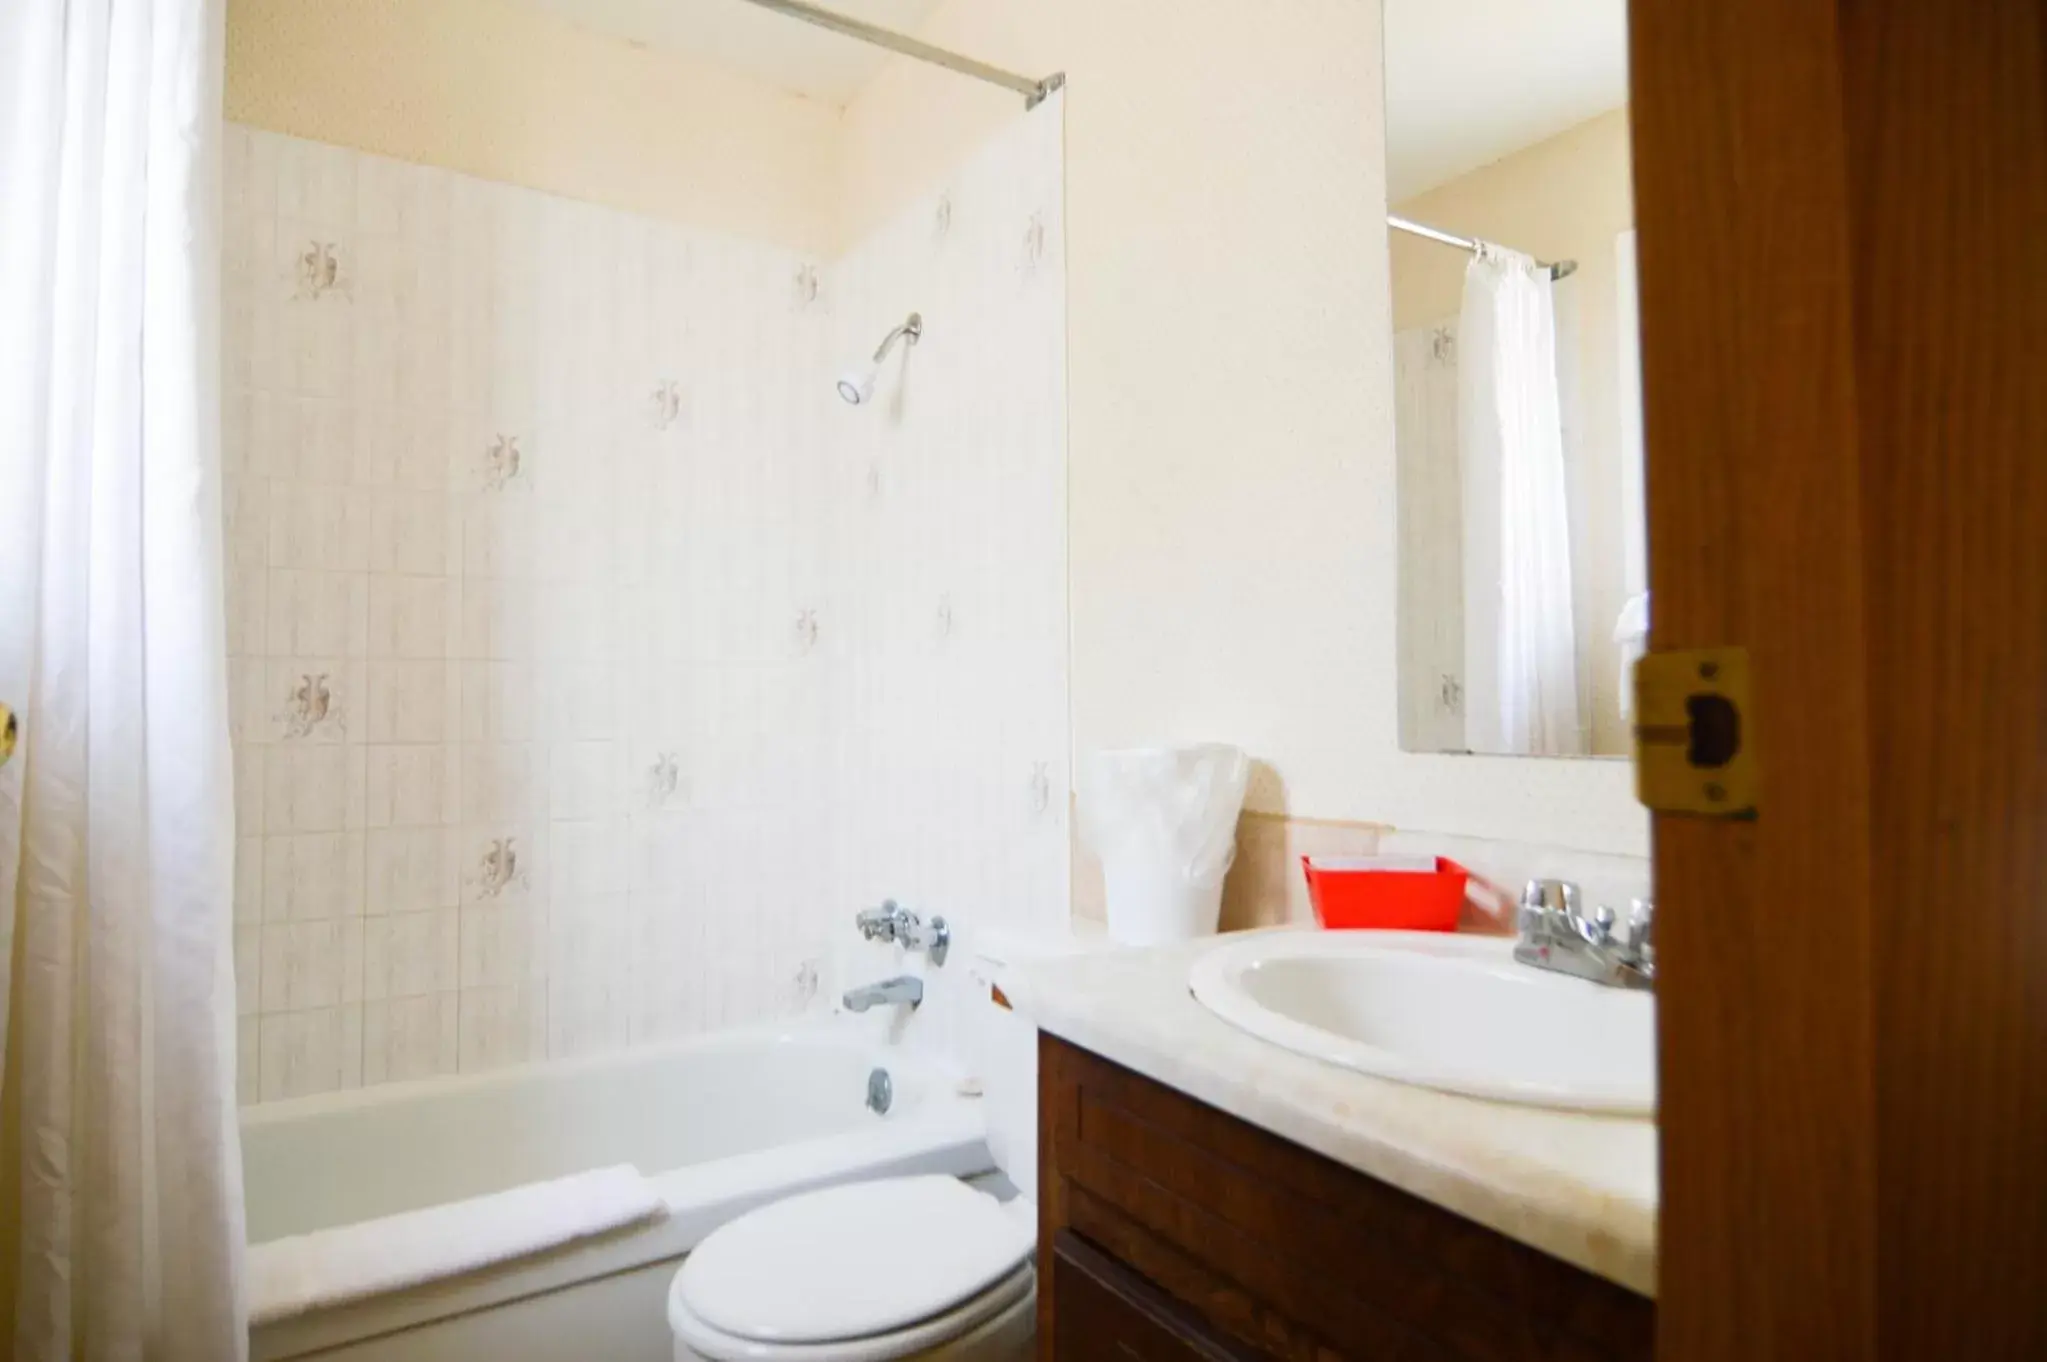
771 48
1468 81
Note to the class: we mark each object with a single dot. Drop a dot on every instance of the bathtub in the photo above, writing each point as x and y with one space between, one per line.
720 1123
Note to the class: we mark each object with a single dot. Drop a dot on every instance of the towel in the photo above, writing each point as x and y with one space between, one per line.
306 1272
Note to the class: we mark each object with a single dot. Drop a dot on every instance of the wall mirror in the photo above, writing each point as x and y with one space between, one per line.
1523 585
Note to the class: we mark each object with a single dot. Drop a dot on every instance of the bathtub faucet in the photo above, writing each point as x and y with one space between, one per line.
893 922
901 989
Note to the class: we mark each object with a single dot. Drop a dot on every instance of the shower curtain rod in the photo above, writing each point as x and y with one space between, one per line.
1557 269
1033 91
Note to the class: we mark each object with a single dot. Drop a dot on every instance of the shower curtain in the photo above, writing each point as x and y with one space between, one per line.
120 1200
1520 646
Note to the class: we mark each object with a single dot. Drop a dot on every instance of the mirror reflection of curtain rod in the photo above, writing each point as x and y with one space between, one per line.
1033 91
1557 269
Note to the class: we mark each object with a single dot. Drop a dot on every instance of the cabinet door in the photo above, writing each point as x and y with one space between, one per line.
1107 1313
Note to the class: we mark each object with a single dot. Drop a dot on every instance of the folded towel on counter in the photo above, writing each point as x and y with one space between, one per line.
305 1272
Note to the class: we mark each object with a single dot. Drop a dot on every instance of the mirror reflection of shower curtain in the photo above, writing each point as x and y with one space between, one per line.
1520 647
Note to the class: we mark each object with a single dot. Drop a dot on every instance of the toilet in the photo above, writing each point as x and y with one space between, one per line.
904 1269
896 1269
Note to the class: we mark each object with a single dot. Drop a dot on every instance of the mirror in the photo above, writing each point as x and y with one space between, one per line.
1517 391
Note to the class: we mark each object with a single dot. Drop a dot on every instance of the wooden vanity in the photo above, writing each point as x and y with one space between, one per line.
1170 1230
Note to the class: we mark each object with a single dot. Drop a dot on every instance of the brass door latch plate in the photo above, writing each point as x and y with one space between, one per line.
10 731
1693 748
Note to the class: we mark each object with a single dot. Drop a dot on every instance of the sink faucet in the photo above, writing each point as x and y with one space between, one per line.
901 989
1556 934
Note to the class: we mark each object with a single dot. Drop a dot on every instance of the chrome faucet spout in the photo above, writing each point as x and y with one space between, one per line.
1556 934
903 988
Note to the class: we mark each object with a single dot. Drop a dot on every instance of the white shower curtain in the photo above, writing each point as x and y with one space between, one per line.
1520 663
120 1200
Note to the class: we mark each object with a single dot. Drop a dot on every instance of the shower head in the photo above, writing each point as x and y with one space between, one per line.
857 385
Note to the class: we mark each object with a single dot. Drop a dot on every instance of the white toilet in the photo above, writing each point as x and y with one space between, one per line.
900 1268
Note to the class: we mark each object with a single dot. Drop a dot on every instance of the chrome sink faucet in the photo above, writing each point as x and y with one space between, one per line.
1556 934
893 922
901 989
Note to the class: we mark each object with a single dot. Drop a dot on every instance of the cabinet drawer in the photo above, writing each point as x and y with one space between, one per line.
1107 1313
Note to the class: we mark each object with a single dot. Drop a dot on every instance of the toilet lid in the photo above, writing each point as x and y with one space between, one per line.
852 1261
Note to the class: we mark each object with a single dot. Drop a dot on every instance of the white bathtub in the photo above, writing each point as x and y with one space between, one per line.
721 1123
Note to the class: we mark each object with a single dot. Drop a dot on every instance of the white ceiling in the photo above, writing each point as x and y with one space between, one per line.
771 48
1468 81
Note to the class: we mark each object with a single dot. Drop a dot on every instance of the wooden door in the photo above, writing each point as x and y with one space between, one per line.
1842 208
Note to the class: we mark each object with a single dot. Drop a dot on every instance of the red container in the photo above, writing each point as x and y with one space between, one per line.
1347 897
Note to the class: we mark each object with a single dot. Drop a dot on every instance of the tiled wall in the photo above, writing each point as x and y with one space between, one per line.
565 669
948 524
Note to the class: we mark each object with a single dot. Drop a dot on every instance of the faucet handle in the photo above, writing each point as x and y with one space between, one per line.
1599 927
879 924
1642 929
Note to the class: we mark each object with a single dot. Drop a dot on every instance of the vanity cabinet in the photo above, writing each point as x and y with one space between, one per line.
1170 1230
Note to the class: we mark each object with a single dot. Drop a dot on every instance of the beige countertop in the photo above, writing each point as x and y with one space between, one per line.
1578 1186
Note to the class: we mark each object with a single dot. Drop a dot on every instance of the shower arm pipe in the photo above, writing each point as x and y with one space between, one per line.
1557 269
1034 92
912 330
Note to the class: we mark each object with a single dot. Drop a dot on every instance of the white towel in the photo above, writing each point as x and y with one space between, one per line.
306 1272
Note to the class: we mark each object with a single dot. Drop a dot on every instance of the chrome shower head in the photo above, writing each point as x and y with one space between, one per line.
857 385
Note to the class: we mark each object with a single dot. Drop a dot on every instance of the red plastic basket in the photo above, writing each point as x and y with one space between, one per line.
1347 897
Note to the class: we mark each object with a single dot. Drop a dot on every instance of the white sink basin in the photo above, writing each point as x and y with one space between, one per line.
1439 1011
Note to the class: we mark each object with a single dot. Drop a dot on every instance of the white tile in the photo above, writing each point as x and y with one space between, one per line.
250 766
315 1051
587 859
581 699
498 539
410 786
408 617
248 1031
410 1038
411 870
313 700
583 781
316 614
502 782
587 1017
408 954
312 876
409 533
496 621
245 521
311 964
496 702
311 788
248 879
501 1026
502 944
411 702
248 971
589 940
500 863
319 527
248 611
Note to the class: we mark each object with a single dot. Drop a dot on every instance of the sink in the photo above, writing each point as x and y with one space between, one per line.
1441 1011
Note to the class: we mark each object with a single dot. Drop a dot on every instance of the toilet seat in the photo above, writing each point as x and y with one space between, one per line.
984 1316
860 1272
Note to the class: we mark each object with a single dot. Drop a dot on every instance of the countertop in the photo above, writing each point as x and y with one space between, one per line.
1579 1187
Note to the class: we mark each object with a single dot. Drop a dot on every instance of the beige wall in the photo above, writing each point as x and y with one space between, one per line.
502 92
1230 426
1563 199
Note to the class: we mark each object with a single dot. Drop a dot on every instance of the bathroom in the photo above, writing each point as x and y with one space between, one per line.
656 580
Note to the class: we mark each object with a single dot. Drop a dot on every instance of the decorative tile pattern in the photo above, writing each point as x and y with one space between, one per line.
592 664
